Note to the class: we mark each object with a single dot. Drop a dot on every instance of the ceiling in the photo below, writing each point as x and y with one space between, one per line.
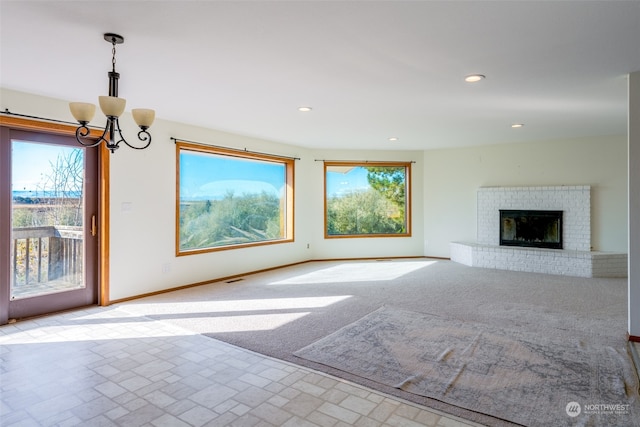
370 70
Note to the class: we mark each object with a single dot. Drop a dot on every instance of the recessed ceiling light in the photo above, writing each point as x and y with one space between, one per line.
393 138
304 109
517 125
473 78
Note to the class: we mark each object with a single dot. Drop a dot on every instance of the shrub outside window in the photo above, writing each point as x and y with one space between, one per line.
229 199
369 199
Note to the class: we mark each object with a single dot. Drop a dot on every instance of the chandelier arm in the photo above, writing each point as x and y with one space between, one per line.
82 132
143 136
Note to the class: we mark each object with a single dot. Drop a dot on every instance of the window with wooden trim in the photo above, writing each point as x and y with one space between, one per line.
228 199
367 199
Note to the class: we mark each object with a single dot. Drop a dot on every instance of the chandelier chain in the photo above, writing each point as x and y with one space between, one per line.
113 55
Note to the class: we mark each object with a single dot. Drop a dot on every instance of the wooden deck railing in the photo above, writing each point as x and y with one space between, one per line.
44 254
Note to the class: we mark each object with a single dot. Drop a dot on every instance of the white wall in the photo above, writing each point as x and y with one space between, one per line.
452 178
143 191
143 237
142 240
367 247
444 189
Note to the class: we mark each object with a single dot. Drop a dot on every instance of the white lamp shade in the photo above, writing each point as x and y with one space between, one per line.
112 106
82 111
143 116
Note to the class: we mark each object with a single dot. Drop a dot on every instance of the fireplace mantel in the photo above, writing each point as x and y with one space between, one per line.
575 259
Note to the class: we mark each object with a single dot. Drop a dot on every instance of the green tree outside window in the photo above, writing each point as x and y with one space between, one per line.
367 199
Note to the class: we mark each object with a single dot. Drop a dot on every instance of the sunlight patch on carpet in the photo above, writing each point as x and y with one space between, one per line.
357 272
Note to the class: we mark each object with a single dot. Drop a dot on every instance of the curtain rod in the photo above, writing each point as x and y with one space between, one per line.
9 113
365 161
239 150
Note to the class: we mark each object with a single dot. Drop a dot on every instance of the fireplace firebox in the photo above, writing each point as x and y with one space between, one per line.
529 228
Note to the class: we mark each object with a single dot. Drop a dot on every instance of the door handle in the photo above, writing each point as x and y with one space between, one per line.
94 229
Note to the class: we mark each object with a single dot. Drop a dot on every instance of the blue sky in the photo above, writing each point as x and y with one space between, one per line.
202 175
208 176
339 184
31 163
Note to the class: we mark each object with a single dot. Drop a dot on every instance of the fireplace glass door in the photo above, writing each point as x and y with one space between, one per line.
529 228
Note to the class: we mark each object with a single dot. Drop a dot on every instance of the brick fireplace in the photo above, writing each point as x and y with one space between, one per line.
575 258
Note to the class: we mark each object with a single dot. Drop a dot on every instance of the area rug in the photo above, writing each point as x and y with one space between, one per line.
533 379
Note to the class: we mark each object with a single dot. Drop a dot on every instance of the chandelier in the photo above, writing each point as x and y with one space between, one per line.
112 107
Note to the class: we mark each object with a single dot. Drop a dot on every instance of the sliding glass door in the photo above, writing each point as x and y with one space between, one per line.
49 194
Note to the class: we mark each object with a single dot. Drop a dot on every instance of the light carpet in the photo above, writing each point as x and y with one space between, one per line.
280 311
517 375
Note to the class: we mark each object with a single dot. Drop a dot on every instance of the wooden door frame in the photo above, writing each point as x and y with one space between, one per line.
103 189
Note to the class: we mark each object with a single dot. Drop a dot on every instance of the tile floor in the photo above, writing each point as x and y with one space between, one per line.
104 366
